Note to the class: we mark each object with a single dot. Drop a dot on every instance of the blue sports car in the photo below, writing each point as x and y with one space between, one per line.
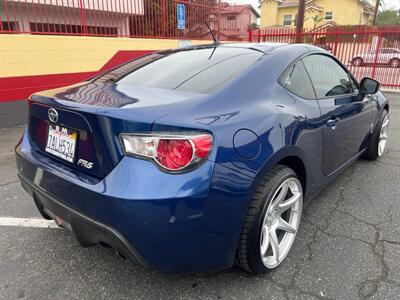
199 158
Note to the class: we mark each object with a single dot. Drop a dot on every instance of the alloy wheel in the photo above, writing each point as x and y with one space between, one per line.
395 63
281 222
357 62
383 135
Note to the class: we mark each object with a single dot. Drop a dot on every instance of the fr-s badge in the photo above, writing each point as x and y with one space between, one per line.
84 163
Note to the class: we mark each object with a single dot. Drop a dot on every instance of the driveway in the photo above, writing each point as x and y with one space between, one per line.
348 246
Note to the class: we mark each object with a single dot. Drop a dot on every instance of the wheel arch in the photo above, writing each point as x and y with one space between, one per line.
291 157
386 107
297 165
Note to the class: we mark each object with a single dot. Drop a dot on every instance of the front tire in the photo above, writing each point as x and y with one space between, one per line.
272 221
378 139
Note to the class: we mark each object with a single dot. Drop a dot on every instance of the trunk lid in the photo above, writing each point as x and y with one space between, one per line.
98 112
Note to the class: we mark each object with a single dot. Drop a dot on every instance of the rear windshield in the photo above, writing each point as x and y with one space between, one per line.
197 70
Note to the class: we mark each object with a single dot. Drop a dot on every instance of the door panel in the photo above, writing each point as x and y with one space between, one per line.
347 123
346 118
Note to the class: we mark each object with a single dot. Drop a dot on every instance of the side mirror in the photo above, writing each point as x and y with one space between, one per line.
368 86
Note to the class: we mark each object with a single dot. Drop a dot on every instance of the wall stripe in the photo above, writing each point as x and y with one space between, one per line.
17 88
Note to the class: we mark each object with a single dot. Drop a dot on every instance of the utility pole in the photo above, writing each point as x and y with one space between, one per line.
376 11
300 20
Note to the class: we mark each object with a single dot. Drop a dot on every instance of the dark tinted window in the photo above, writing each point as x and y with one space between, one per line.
63 28
10 26
199 70
389 51
296 80
328 77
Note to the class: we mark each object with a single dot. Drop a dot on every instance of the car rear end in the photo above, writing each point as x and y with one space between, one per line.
92 162
115 198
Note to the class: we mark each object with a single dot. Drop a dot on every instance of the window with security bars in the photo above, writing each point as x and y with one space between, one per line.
73 29
9 26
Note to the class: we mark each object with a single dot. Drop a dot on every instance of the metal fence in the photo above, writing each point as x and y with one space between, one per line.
366 50
127 18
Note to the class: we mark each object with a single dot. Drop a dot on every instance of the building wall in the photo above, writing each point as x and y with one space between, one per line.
29 63
286 11
135 6
71 16
345 12
240 25
269 13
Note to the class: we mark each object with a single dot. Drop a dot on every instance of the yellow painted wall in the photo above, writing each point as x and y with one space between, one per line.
25 55
345 12
269 13
287 11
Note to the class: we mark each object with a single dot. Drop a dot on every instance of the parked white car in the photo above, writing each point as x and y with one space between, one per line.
387 56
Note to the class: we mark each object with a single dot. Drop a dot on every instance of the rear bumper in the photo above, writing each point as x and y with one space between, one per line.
174 223
88 231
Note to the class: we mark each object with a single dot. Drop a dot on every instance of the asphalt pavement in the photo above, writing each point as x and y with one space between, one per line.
348 246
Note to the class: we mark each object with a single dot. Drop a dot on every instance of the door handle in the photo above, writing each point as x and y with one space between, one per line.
332 123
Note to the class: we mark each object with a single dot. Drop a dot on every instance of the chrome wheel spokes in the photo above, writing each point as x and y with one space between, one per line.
383 135
281 223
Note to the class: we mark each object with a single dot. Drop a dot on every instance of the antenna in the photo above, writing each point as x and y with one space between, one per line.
216 42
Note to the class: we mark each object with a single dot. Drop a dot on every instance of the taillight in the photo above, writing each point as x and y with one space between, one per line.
171 152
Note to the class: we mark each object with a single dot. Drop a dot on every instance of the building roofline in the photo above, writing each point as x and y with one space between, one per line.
281 3
231 9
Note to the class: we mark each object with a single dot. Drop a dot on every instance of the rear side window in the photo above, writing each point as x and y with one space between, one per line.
296 80
328 77
198 70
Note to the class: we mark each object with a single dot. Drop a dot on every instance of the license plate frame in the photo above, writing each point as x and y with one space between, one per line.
69 141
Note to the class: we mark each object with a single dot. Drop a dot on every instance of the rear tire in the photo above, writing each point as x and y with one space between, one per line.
395 63
272 221
378 138
357 62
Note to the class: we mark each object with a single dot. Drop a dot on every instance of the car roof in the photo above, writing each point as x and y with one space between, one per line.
261 47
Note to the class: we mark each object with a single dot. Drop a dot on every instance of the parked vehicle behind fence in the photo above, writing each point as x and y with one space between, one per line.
385 56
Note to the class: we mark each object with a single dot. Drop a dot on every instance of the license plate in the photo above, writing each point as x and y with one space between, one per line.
61 142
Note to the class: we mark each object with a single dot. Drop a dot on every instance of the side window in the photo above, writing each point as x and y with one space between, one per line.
296 80
328 77
354 84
